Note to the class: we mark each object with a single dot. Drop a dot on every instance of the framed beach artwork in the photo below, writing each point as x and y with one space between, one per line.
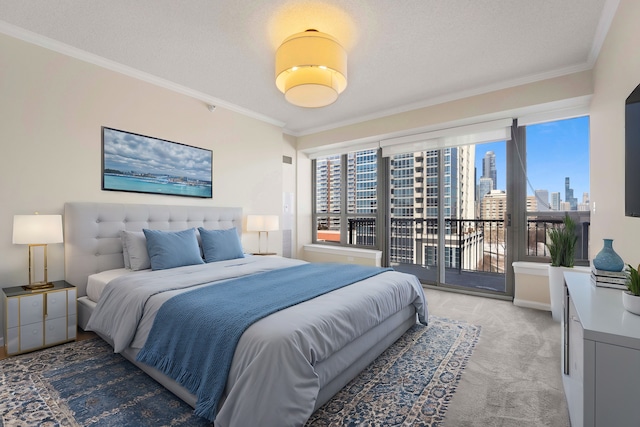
143 164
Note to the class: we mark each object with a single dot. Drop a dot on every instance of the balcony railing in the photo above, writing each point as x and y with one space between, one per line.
477 245
539 224
469 244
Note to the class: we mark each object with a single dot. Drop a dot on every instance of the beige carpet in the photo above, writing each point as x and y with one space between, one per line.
513 377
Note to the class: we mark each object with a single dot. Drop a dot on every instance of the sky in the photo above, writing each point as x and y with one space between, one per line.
555 150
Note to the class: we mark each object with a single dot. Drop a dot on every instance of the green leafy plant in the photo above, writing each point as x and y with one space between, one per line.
633 281
562 243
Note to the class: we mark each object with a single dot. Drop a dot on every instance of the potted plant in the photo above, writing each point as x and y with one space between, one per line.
631 297
561 243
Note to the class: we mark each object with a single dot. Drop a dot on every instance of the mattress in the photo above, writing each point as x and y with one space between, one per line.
97 282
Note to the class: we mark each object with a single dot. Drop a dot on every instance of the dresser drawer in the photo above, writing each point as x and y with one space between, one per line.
56 304
31 309
31 336
12 340
55 331
72 302
72 326
576 345
13 312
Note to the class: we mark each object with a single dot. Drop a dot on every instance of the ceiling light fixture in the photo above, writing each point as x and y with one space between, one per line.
311 69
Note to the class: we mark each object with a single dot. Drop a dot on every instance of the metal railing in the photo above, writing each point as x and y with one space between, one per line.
477 245
469 244
539 224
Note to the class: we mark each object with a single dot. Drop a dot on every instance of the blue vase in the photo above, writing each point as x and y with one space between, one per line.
607 259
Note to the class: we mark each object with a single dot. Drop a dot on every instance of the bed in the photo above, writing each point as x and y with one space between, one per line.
335 335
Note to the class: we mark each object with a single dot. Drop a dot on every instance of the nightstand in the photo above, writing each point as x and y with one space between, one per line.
38 319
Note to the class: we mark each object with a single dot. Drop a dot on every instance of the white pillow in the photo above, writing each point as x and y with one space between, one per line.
125 252
136 244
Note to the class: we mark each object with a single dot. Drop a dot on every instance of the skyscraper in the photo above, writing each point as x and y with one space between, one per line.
542 200
489 168
484 188
568 195
555 201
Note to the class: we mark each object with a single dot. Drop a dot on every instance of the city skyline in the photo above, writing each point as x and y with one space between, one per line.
555 151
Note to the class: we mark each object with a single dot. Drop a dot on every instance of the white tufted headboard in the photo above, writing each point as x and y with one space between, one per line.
92 231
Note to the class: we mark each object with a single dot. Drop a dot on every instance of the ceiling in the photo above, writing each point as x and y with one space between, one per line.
402 54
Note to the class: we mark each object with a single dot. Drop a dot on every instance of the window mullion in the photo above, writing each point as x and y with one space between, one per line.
344 200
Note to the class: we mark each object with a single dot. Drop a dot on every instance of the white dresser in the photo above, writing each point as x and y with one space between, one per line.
601 356
39 319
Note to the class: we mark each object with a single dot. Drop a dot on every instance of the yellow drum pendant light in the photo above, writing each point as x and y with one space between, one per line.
311 69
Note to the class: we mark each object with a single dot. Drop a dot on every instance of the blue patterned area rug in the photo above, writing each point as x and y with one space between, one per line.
85 384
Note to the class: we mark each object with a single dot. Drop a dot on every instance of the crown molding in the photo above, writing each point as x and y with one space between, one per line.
65 49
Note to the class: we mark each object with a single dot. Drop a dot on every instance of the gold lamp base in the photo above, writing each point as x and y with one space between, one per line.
38 286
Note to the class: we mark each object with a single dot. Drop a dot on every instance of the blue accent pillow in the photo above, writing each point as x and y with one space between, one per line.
169 249
220 245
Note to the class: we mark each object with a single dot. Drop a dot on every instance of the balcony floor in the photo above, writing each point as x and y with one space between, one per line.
477 280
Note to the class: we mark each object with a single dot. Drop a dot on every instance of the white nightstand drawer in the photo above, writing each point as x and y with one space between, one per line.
13 312
56 304
31 309
31 336
55 330
13 340
72 301
72 327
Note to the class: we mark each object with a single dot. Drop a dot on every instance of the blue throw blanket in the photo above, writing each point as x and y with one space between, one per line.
194 335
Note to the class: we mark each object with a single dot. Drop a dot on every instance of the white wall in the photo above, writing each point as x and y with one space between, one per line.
616 74
52 108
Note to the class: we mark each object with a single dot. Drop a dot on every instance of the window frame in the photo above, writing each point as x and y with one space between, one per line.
520 192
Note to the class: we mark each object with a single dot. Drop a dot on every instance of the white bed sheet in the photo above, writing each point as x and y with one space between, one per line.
97 282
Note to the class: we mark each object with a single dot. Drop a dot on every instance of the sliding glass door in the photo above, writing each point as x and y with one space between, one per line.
447 216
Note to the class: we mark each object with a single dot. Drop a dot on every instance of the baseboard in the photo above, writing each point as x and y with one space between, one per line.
532 304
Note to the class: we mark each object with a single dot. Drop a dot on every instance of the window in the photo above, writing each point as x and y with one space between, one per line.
352 219
557 174
463 185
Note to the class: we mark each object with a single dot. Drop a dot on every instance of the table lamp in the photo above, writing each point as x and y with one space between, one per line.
37 230
263 224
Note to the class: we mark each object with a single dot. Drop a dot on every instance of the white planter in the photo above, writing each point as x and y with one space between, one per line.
631 303
556 291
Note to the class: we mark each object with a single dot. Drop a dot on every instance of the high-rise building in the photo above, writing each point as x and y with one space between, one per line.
466 181
489 168
542 200
584 206
365 181
403 177
484 187
414 201
568 195
493 205
555 201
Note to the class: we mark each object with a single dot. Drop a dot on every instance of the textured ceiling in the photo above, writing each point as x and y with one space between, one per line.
402 54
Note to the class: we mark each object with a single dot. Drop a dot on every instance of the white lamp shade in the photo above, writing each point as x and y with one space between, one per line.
37 229
263 222
311 69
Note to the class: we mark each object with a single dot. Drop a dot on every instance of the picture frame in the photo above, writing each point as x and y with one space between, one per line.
143 164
